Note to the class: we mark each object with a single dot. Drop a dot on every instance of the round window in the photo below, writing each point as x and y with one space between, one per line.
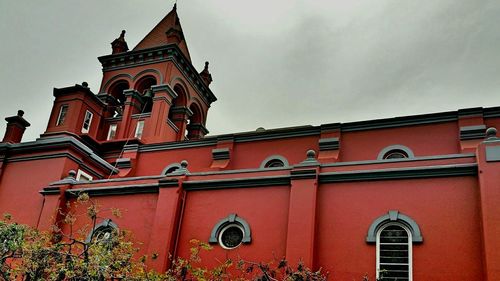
231 236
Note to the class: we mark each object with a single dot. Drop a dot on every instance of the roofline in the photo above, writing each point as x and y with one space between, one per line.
309 130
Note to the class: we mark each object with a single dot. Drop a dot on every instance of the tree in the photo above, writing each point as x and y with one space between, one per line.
29 254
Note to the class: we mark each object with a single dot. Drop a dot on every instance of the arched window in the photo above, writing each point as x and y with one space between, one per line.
118 97
395 152
274 161
171 168
143 86
394 253
195 120
103 232
230 232
179 101
394 234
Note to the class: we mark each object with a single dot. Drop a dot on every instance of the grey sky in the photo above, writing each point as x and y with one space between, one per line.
275 63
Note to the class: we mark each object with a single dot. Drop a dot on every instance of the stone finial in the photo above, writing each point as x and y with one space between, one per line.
184 164
71 174
20 113
85 84
491 133
311 155
119 45
205 75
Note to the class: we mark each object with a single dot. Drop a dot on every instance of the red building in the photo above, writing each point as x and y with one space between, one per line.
417 196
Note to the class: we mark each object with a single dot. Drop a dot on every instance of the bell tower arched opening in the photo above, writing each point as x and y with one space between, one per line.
143 86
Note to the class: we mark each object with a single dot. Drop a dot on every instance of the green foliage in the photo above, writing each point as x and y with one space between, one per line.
29 254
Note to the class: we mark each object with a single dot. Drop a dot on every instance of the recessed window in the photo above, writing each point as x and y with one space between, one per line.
231 236
394 251
112 131
103 233
394 234
274 163
231 232
87 121
396 151
139 128
395 154
82 176
62 115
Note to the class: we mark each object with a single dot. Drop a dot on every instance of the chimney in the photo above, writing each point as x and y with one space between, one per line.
15 128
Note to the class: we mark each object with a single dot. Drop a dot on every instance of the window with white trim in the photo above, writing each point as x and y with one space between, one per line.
112 131
82 176
394 253
63 111
87 121
139 128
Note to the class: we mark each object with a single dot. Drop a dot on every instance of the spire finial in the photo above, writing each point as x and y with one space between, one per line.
119 45
205 75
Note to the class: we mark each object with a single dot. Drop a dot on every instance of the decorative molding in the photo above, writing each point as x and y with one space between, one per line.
400 173
232 218
329 144
46 143
385 161
170 52
123 163
303 174
237 183
492 153
473 132
220 153
144 73
114 190
394 216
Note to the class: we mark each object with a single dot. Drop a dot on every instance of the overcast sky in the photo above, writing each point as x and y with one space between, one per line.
274 63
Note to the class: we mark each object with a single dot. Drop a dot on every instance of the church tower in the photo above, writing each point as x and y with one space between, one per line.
149 94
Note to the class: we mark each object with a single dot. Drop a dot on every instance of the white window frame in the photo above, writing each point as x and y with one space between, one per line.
410 249
90 116
58 121
139 128
81 174
112 131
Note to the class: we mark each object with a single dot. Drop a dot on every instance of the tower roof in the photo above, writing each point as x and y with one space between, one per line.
167 31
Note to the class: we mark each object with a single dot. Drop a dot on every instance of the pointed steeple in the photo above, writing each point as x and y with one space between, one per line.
205 75
167 31
119 45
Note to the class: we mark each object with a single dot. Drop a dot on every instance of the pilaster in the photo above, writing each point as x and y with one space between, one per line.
302 212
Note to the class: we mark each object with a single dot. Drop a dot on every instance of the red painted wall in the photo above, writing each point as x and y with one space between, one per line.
446 209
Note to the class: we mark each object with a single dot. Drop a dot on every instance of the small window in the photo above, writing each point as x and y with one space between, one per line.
112 131
395 154
139 128
231 236
82 176
394 251
62 115
230 232
396 151
274 163
87 121
103 233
